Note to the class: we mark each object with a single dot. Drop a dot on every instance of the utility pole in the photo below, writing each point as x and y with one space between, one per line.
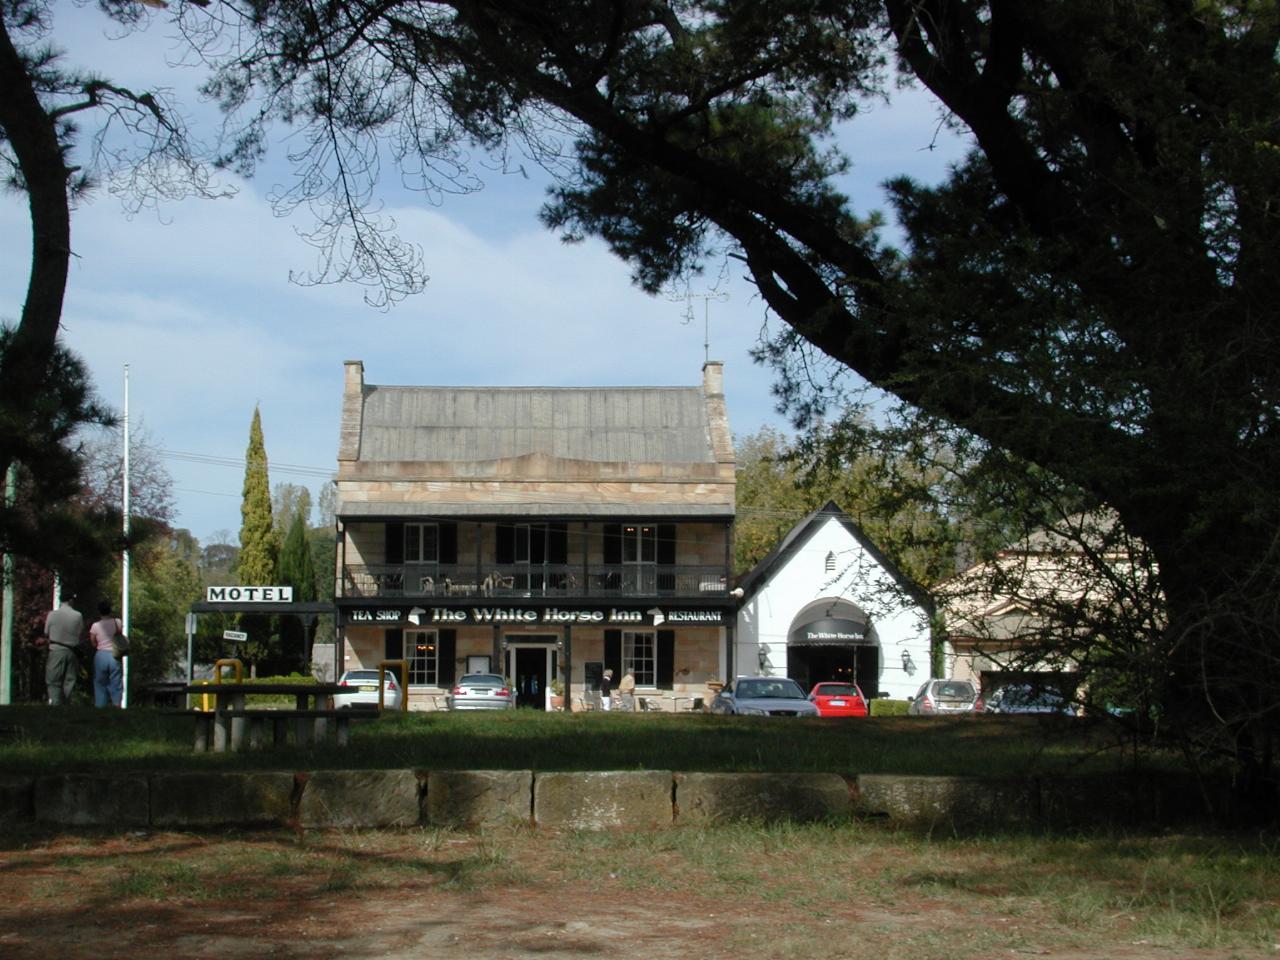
6 616
124 559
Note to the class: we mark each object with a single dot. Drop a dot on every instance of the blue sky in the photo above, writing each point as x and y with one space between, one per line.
198 302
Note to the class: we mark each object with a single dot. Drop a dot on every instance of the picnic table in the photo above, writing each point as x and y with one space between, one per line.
224 727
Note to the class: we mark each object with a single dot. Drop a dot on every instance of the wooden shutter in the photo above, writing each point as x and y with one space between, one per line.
667 544
446 647
613 654
665 668
505 548
613 543
558 543
393 551
448 542
393 644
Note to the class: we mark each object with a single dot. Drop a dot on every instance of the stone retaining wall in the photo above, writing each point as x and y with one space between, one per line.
582 800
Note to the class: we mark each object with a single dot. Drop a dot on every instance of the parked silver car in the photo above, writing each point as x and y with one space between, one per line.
763 697
938 697
481 691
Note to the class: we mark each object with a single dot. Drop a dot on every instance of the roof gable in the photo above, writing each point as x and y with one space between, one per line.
796 538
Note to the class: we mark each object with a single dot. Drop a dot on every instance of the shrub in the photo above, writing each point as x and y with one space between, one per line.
889 708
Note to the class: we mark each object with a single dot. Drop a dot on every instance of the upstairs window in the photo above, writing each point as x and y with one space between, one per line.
421 543
639 543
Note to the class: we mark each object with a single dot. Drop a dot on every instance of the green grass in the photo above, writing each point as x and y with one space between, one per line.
43 739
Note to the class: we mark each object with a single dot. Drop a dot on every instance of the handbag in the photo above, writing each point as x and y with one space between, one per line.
119 642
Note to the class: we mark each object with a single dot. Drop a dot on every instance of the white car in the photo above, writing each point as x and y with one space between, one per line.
361 690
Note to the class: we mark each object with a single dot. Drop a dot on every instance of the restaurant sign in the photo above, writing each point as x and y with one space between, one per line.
548 616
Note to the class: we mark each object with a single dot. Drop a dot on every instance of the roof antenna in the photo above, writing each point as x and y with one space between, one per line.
688 297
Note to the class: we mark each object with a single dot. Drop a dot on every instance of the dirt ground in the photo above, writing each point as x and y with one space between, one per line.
383 895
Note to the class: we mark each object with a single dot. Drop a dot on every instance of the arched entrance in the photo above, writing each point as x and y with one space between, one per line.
833 639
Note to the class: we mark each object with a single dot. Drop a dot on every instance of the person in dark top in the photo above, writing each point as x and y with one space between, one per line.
606 690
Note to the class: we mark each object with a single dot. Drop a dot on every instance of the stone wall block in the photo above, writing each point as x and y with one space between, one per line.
963 802
359 798
17 799
253 798
719 797
478 798
634 799
89 799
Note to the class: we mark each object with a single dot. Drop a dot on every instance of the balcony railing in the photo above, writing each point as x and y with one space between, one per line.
520 580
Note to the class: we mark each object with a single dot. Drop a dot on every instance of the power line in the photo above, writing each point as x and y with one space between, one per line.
239 462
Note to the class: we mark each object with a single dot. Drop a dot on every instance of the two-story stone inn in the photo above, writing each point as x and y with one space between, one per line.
542 533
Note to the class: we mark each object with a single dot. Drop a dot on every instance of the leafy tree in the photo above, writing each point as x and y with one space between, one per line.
289 500
258 551
1092 291
164 583
900 505
47 524
140 148
257 561
296 570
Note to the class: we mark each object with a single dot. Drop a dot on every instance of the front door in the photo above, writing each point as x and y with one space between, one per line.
531 668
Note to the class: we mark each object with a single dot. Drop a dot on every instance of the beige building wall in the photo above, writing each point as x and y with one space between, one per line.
696 666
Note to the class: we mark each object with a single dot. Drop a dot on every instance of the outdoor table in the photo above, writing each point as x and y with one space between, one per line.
228 698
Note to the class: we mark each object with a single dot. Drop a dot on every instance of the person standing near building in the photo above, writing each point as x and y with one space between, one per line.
606 690
627 691
108 672
65 629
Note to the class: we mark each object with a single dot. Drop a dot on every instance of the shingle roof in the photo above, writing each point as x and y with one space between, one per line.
468 424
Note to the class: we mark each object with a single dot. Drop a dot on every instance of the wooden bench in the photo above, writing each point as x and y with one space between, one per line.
309 726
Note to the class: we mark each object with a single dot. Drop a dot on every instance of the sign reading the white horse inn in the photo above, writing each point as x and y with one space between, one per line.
549 615
249 594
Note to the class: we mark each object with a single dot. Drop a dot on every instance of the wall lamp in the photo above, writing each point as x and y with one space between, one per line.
908 664
763 656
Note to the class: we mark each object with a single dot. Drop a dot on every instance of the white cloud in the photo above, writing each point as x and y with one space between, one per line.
198 302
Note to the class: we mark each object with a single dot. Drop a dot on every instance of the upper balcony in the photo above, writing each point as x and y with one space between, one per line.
564 581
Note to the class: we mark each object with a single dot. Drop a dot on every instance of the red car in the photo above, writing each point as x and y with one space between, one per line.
838 700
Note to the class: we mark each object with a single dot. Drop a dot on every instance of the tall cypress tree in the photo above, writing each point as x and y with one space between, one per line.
297 570
257 563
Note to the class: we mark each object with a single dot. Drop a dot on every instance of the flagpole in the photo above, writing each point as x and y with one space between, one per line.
124 559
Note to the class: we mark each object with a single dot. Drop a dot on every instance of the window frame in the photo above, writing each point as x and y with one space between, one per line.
416 555
646 677
424 669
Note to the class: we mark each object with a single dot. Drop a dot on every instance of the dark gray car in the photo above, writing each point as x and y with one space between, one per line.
763 697
1028 698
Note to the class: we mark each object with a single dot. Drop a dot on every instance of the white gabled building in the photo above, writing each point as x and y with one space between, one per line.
826 604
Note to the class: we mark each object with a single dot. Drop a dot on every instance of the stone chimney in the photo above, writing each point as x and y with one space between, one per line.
718 417
352 412
713 378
